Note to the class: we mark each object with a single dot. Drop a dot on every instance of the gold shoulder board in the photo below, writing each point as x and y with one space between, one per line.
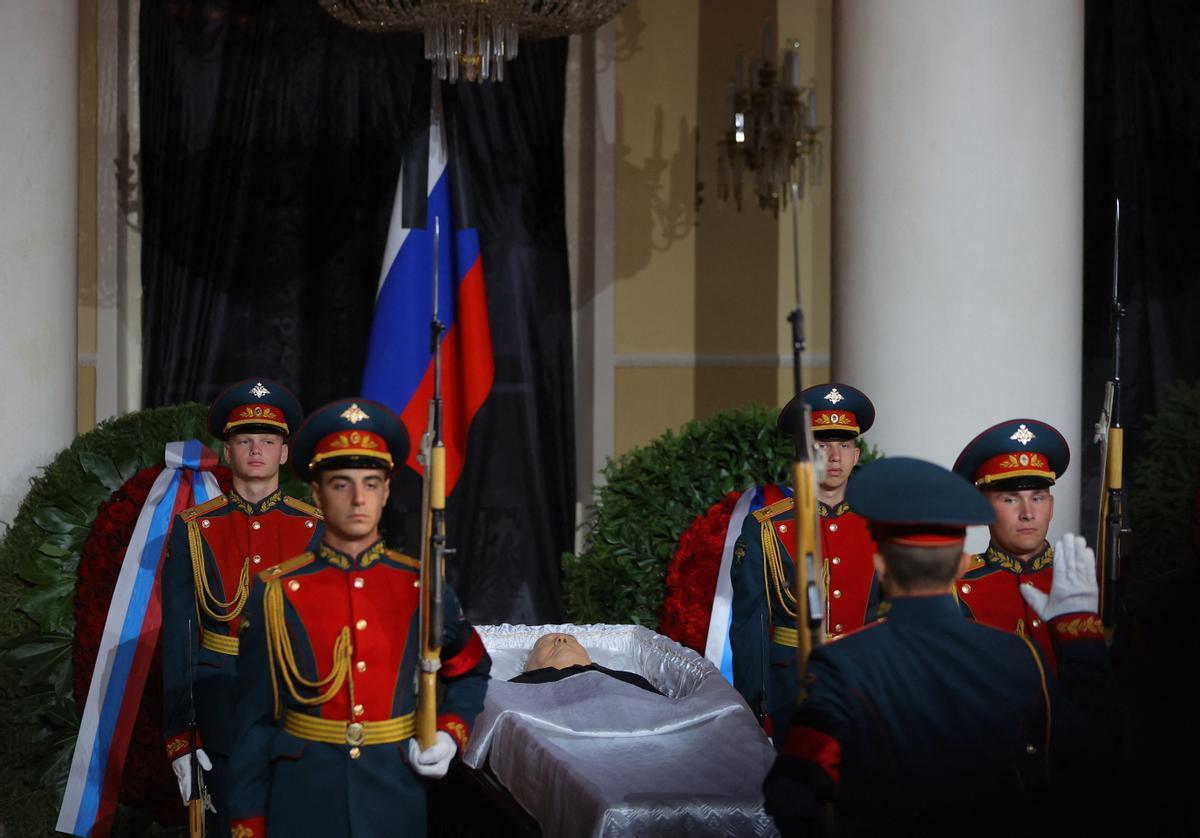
194 512
976 563
306 508
400 558
286 567
769 512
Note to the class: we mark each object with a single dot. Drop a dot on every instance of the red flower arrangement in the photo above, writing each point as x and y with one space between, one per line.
147 783
692 575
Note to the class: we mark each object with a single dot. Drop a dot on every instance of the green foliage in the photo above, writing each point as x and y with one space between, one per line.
1163 493
651 495
39 554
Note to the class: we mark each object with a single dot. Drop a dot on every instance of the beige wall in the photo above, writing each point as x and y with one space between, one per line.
701 291
85 385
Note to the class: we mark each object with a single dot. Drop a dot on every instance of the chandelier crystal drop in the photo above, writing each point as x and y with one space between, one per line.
472 39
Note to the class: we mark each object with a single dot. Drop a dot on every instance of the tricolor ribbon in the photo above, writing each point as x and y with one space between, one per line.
127 645
716 647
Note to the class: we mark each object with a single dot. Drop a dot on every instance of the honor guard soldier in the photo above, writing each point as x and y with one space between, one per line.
329 660
213 550
762 634
925 722
1014 464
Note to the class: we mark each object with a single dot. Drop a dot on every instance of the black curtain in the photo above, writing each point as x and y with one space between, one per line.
272 137
1142 144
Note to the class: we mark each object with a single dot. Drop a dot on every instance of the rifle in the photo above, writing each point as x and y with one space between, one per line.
809 600
433 533
1111 437
196 796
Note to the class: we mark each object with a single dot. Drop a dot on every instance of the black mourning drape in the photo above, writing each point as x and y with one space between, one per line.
1142 144
272 137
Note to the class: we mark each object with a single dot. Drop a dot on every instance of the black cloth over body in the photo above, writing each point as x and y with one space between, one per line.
272 138
549 674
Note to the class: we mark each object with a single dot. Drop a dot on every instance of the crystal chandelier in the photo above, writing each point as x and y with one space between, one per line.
771 131
472 39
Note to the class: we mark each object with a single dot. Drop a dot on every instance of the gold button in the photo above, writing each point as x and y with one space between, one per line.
837 629
1030 749
836 560
1036 622
255 525
358 709
358 583
293 585
416 583
308 524
206 523
833 527
361 666
257 560
966 589
783 527
355 752
360 625
837 594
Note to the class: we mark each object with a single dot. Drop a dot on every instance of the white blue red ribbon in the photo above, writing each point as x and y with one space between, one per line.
127 645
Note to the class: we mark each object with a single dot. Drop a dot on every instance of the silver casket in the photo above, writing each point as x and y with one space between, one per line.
594 756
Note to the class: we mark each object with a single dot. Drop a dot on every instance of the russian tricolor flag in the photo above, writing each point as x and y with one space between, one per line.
399 368
130 634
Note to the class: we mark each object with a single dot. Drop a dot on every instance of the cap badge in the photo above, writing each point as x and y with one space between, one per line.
354 414
258 391
833 396
1023 435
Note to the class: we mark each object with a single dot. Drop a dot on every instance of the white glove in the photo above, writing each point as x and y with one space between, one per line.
182 766
1073 587
434 761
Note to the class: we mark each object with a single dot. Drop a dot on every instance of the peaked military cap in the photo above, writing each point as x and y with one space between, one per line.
256 405
912 501
349 433
838 411
1013 455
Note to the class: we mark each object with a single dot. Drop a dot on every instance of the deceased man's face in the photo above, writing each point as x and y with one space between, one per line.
558 651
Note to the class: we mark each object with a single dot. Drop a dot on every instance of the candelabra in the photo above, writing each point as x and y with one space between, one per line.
771 131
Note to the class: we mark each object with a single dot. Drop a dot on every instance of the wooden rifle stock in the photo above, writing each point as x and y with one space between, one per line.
433 535
431 600
1111 436
807 559
195 819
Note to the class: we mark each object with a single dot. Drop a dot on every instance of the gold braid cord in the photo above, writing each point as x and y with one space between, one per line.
204 592
774 574
281 658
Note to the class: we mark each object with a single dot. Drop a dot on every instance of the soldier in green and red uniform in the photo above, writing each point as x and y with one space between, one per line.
762 634
927 723
213 550
1014 464
325 725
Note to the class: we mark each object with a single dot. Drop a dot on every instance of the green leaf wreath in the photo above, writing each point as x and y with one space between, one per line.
39 556
652 494
1164 498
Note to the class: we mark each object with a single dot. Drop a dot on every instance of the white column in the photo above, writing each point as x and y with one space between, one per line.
591 159
958 220
38 229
